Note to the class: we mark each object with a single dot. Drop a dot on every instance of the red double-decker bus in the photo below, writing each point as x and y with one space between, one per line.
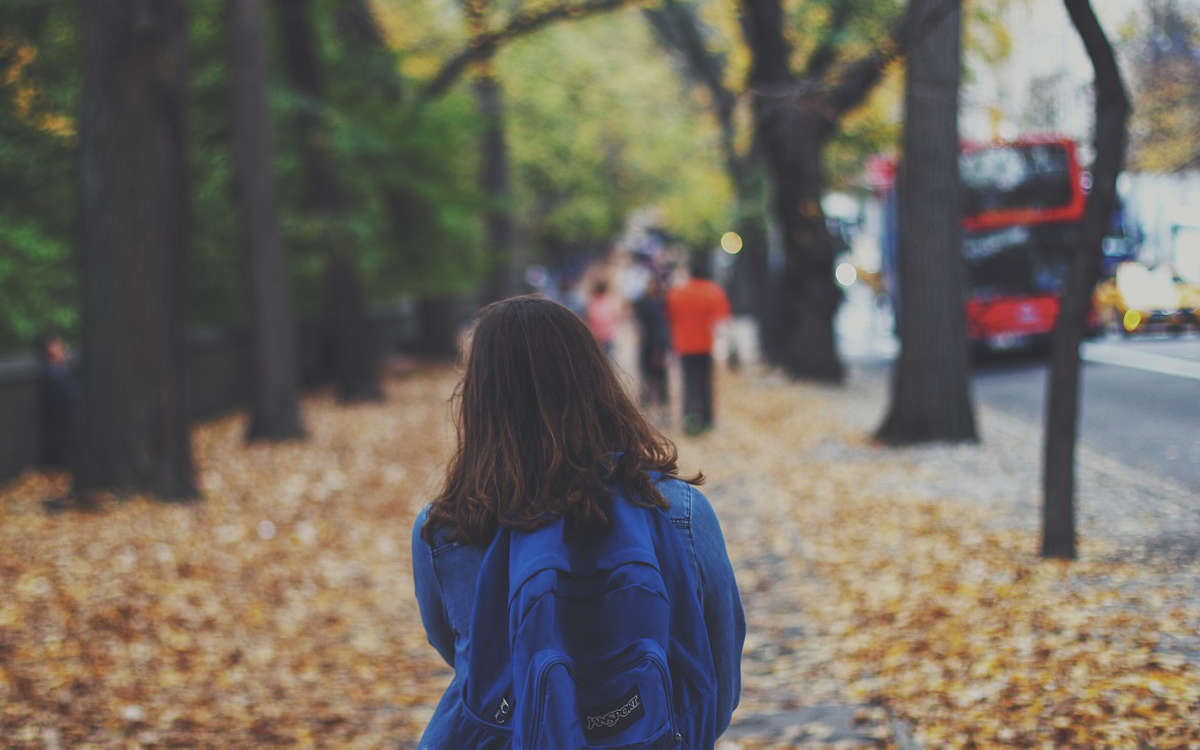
1023 203
1030 181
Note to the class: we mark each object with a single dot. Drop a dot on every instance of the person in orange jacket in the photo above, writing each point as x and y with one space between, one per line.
695 308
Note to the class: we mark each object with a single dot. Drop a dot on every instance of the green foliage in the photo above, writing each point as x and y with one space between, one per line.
219 293
408 171
606 130
36 284
39 83
870 21
408 221
598 122
412 211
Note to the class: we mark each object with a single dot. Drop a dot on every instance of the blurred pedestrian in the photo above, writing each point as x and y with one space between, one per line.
563 535
58 400
695 308
603 315
654 345
568 295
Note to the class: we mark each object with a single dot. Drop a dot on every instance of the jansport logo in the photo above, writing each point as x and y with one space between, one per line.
609 720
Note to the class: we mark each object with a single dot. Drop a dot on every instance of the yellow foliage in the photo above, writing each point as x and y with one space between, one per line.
25 94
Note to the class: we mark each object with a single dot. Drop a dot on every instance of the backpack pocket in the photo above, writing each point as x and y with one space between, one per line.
626 701
477 732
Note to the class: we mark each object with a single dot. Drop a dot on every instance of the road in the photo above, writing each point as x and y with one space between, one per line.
1140 400
1140 396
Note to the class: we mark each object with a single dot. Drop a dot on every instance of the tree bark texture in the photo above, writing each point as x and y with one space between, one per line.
793 132
930 397
794 120
347 339
521 23
274 394
1062 399
135 203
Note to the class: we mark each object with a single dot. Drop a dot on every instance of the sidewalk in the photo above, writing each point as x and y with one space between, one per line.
907 580
887 592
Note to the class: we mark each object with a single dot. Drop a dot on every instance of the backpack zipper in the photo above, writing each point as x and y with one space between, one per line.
503 711
670 685
539 708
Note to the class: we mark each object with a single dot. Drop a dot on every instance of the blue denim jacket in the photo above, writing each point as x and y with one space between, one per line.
444 577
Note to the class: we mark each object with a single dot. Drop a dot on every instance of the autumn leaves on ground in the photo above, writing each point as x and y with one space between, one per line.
279 611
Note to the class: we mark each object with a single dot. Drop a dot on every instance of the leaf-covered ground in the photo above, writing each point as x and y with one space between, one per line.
936 608
279 611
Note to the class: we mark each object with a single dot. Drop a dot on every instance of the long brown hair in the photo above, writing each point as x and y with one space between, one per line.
545 430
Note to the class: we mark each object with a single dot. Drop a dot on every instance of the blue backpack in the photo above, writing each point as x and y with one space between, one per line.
589 643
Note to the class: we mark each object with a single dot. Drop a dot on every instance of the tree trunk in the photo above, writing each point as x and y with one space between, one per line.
135 204
495 184
808 298
793 131
750 271
930 386
1062 400
803 299
439 318
355 360
348 332
274 395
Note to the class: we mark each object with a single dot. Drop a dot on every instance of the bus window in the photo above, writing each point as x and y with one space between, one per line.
1020 183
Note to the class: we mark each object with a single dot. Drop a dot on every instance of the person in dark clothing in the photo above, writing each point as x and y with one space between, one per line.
650 310
58 400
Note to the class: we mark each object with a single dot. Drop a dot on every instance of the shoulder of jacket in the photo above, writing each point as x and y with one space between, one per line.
679 494
441 540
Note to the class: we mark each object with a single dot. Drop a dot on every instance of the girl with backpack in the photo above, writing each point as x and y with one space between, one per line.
579 587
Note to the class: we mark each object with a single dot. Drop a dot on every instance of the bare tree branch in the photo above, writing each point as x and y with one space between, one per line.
485 45
862 75
677 23
678 27
1062 396
357 25
825 54
856 79
356 21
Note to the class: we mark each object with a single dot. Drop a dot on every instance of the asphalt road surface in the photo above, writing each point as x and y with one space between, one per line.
1140 400
1140 395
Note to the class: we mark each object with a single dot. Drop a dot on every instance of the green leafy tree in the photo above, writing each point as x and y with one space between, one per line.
604 132
39 87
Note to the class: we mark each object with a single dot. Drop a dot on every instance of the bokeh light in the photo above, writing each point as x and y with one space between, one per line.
846 274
